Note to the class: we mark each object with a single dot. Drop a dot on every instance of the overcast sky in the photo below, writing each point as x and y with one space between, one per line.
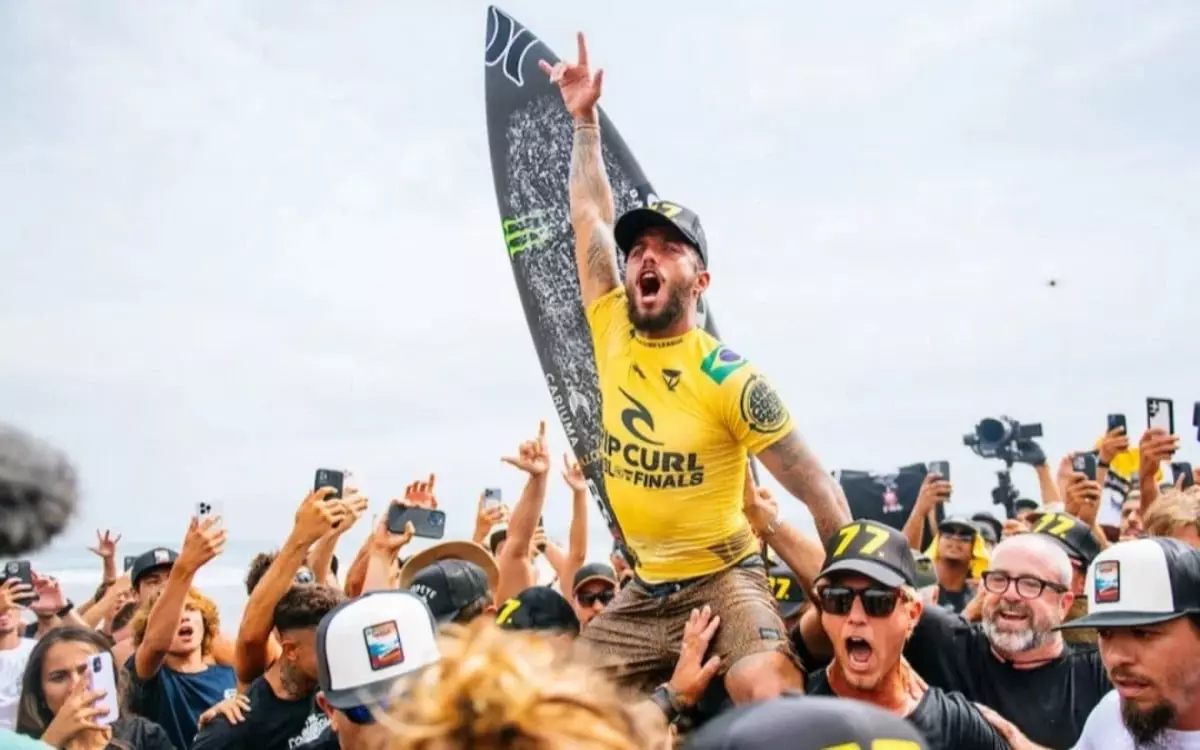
245 239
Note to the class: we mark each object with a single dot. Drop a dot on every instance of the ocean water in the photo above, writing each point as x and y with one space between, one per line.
223 580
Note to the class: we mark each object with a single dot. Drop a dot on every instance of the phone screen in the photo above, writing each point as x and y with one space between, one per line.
1160 413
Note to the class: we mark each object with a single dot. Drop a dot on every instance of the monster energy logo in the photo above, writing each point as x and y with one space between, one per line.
523 232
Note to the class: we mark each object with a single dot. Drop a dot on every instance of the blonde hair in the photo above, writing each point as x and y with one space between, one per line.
518 691
208 613
1173 510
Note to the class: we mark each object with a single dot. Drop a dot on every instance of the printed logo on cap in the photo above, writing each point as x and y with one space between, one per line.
383 645
423 591
1108 582
162 556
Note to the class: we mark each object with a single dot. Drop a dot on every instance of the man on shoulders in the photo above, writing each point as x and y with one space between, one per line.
681 411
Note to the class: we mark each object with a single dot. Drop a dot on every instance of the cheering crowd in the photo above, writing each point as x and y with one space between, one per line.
712 622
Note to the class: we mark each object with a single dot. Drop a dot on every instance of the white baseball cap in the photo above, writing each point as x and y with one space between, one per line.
1141 582
364 645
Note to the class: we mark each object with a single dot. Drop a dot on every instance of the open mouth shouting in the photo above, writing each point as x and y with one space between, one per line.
649 286
185 632
858 654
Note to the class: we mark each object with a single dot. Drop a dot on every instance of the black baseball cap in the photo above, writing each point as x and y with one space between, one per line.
159 557
804 723
1141 582
1024 503
958 523
989 523
594 572
538 608
1073 535
871 549
634 222
448 586
788 591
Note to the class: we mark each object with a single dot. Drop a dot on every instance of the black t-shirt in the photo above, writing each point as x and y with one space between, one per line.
954 601
947 720
137 733
271 724
1050 704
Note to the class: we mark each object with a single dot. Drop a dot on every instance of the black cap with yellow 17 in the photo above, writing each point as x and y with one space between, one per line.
664 214
872 549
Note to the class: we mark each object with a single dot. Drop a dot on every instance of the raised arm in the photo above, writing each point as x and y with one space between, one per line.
795 467
592 209
516 568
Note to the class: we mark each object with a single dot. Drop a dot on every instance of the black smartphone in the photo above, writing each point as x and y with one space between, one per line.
330 478
19 569
1196 419
491 496
129 560
1117 421
427 523
1085 463
1160 412
941 468
1182 469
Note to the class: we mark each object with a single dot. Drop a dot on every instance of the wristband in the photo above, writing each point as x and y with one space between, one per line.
1102 463
772 527
66 610
668 701
586 126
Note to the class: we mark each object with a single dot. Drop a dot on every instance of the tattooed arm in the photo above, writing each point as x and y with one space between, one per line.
592 213
798 470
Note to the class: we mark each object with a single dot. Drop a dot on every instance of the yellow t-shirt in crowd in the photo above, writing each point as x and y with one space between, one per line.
680 416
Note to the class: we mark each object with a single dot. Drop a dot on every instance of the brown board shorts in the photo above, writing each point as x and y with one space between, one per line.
638 636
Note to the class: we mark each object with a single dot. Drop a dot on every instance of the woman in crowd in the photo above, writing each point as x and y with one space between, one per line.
57 705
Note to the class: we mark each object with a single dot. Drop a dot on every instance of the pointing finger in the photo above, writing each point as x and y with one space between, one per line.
581 43
541 430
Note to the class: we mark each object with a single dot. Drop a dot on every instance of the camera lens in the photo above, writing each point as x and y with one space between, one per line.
436 519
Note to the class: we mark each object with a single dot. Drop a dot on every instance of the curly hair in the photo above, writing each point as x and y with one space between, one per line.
258 567
303 606
519 691
208 613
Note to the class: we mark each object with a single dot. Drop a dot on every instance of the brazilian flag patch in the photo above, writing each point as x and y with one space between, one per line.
721 363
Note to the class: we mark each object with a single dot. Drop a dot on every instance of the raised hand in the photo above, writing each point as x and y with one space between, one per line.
384 542
573 474
233 708
934 491
580 87
14 593
320 512
1114 444
487 515
422 494
77 715
1157 445
50 596
204 541
1082 497
532 457
106 545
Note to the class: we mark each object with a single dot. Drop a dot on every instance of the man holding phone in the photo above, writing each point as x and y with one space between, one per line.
14 647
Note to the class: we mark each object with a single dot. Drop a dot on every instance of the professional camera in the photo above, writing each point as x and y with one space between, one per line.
1000 437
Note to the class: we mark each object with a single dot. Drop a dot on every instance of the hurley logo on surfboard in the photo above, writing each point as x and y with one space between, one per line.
507 42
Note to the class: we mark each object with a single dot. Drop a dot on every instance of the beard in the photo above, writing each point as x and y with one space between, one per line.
1147 724
1038 633
677 295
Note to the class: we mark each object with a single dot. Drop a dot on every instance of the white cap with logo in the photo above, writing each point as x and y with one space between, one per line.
364 645
1141 582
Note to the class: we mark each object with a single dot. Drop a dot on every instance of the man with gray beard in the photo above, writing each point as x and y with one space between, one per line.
1015 660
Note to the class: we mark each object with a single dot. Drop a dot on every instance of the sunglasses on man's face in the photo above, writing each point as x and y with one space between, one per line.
839 600
604 597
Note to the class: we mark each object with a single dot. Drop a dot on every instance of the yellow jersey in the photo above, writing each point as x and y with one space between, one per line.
679 416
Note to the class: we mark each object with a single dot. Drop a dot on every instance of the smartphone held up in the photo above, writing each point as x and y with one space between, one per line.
427 523
330 478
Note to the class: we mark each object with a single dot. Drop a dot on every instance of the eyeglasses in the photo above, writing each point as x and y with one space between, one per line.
962 536
839 600
1028 587
604 597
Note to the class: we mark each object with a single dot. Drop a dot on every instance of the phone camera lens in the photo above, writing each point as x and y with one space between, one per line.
436 520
